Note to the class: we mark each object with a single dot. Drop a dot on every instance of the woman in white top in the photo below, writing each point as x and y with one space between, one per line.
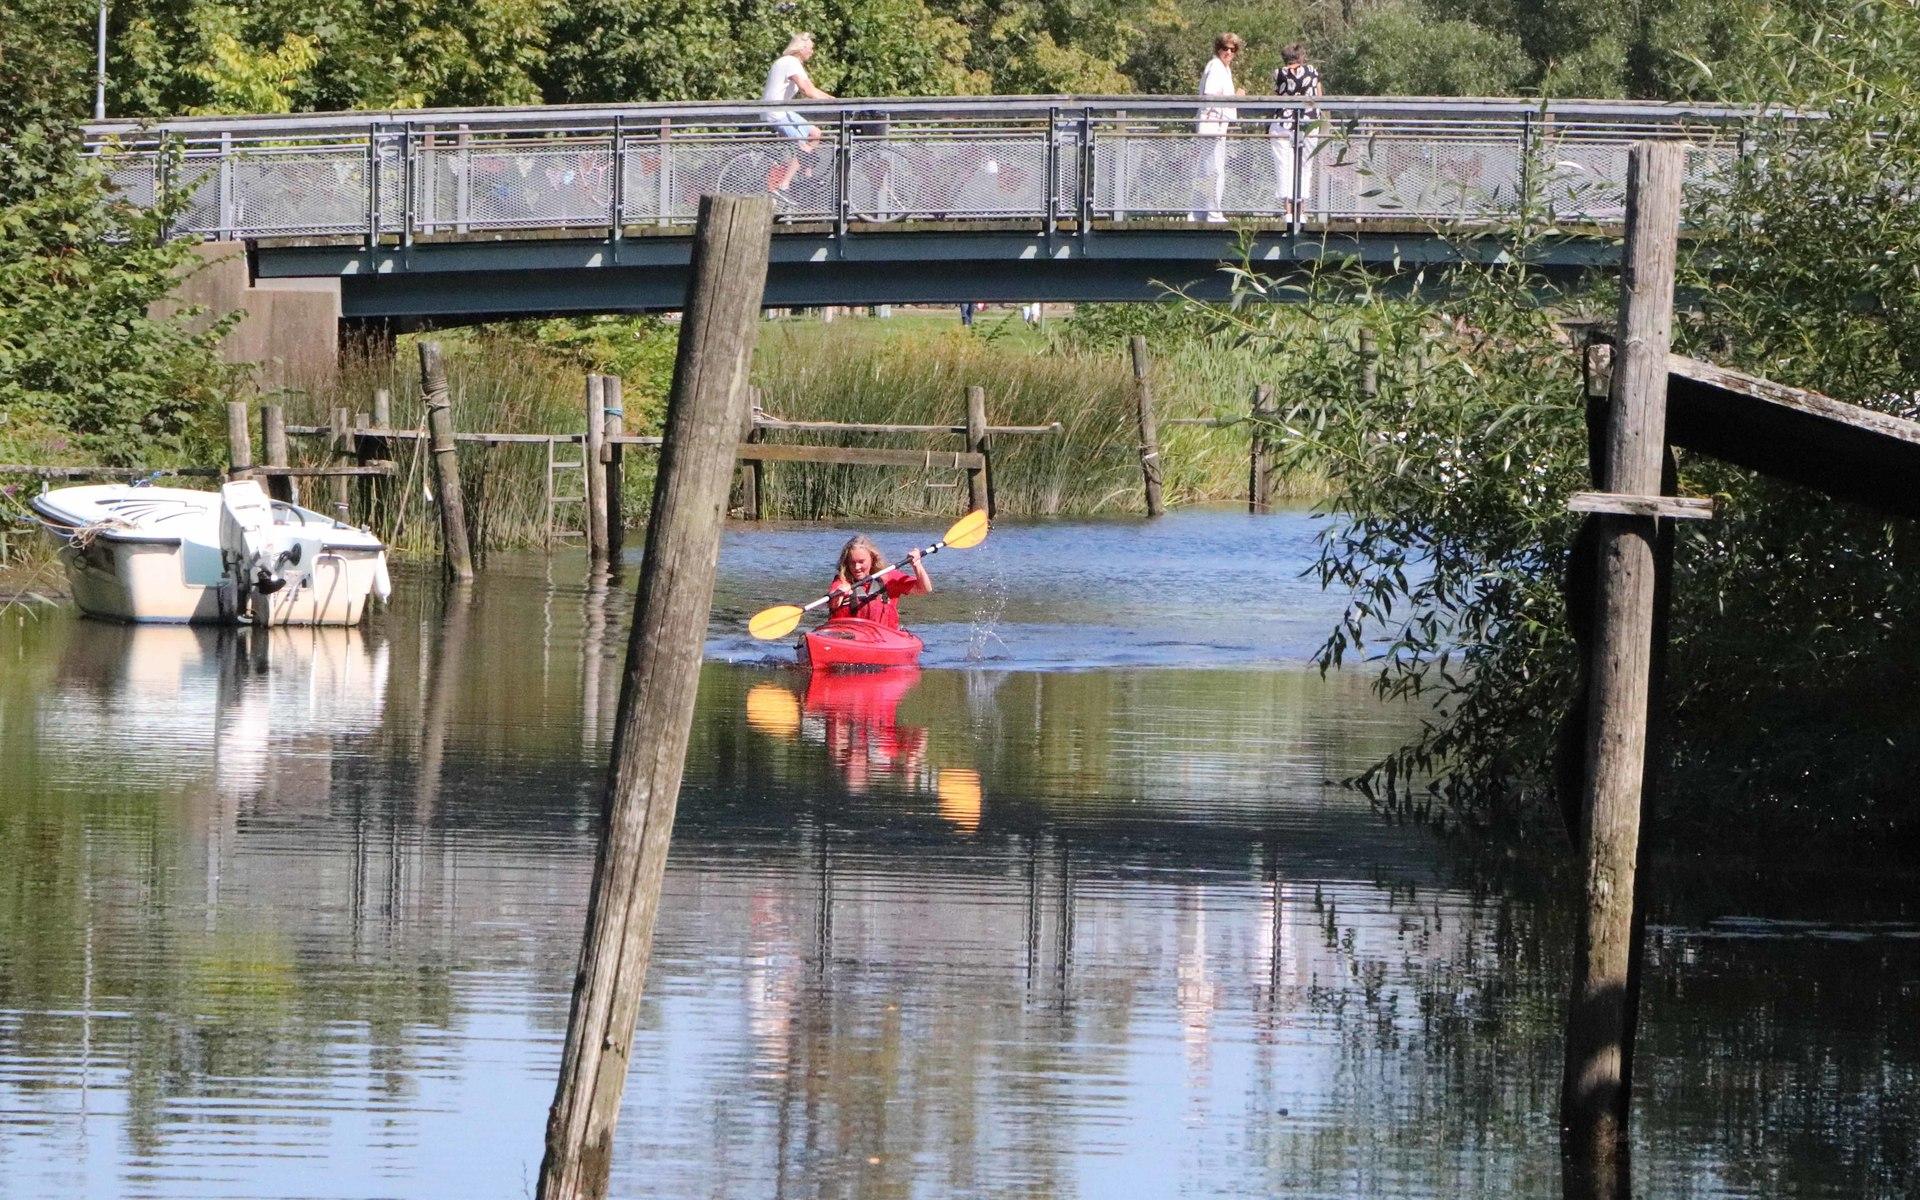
786 79
1217 80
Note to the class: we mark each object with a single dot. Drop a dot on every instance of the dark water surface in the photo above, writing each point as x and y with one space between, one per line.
295 916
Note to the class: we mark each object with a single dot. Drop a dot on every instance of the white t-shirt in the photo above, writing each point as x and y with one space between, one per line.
1216 80
781 79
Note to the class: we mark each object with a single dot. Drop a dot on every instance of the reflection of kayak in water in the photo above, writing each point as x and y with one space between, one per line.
856 714
868 697
857 642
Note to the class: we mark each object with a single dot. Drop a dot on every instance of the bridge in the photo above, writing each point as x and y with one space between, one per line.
439 215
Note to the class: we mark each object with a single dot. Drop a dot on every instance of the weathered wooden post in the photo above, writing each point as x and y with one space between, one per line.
753 475
1369 364
979 481
383 490
613 455
340 447
239 440
454 550
273 442
596 478
1260 456
1595 1089
363 458
704 412
1149 428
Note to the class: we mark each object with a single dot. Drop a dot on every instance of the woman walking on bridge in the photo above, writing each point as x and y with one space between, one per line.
1217 80
1293 173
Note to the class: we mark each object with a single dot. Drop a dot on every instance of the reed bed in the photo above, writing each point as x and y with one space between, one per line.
919 373
911 370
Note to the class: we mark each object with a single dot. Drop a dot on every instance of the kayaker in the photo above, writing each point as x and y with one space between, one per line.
867 585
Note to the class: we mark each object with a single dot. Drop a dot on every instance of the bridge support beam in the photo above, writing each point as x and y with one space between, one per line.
1600 1020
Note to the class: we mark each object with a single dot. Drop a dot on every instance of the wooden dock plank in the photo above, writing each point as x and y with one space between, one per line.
862 456
1844 450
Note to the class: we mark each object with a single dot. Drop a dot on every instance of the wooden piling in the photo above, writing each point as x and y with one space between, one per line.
979 481
753 471
340 443
1369 364
613 457
273 444
1260 456
1595 1092
709 397
239 440
455 553
592 468
382 487
1149 429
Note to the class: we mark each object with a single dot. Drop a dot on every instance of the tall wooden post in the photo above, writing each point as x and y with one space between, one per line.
1595 1092
239 440
596 478
613 456
273 443
1260 456
383 489
340 443
1369 364
1149 427
753 475
454 550
709 395
979 482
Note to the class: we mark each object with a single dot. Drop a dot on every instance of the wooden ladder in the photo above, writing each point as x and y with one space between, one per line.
559 470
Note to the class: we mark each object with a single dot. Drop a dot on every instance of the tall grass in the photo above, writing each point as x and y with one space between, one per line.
499 383
915 372
909 370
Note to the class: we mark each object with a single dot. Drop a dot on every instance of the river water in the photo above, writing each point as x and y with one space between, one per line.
1077 910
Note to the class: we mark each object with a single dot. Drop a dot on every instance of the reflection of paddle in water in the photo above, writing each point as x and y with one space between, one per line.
960 797
773 710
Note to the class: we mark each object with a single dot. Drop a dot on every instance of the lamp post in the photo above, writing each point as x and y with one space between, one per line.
100 66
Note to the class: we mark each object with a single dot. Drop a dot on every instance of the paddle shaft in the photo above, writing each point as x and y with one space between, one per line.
871 586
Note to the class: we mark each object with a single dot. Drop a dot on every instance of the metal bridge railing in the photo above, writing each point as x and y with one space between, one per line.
1048 160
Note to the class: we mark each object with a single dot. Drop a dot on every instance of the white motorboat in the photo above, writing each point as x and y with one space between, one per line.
170 555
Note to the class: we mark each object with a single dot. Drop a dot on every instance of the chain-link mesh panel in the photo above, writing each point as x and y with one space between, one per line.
131 177
300 192
738 161
950 176
517 187
1169 170
1404 170
195 180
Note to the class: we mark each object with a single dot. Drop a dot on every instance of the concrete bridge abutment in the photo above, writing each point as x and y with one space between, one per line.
288 331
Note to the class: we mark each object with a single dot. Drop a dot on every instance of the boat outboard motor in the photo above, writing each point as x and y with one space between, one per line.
261 557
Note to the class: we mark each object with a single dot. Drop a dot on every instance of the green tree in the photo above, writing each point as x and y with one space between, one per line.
1406 49
85 371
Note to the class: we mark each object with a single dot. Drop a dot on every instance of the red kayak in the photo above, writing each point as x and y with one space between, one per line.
858 642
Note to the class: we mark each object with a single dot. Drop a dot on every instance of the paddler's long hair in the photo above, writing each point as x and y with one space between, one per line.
860 541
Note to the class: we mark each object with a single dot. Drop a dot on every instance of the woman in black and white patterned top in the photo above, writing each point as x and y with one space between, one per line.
1296 77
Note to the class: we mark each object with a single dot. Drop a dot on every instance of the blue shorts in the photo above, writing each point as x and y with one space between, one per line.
792 125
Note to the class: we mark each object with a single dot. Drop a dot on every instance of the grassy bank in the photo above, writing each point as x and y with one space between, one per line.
911 369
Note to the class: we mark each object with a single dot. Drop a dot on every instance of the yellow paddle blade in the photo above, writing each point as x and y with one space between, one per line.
960 797
773 710
969 531
775 622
